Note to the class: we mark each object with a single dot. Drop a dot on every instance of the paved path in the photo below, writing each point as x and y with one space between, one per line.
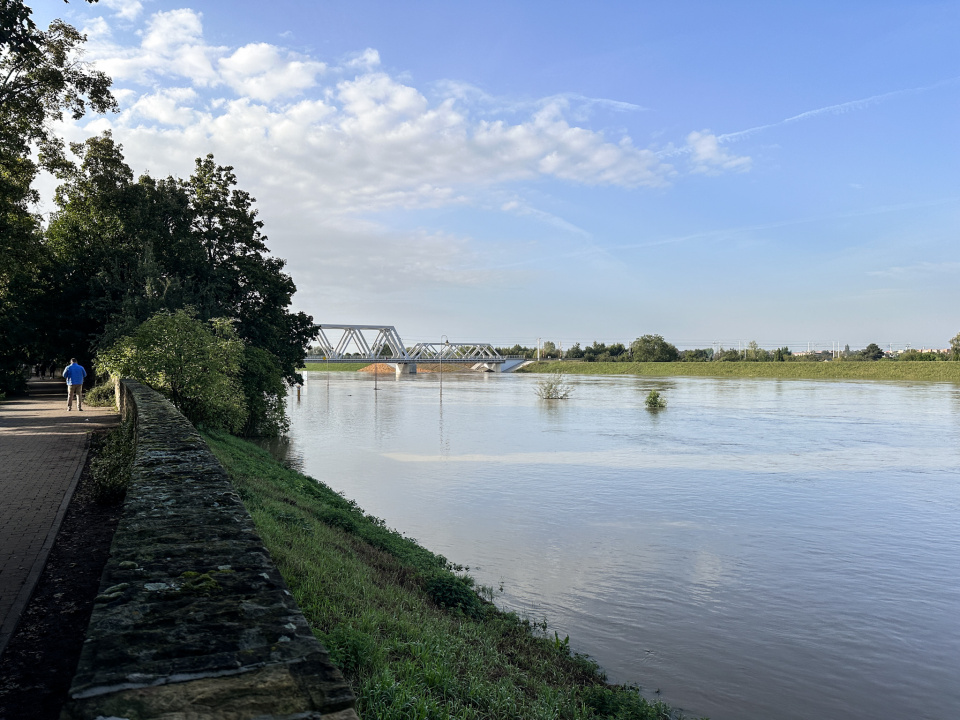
42 451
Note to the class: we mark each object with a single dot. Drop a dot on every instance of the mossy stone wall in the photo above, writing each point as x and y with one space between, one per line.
193 619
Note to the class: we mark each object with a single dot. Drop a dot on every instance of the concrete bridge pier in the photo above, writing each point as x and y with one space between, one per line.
404 368
488 367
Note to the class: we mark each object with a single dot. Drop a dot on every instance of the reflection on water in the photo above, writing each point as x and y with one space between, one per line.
759 549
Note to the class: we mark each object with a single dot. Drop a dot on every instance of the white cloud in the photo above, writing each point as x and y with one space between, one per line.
125 9
166 107
172 45
366 60
263 72
706 155
324 146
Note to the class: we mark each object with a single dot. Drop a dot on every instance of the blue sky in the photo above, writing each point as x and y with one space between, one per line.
713 172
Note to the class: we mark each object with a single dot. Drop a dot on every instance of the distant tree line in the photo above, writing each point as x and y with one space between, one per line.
654 348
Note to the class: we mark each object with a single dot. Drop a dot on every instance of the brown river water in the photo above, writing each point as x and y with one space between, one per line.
757 550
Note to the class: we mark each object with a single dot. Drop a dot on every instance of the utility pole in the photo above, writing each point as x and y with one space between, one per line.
445 343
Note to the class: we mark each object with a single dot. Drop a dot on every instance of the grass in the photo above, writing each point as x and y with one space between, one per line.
333 367
880 370
407 628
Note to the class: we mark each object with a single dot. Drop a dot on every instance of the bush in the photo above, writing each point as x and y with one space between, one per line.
104 395
554 388
192 363
455 592
110 469
655 401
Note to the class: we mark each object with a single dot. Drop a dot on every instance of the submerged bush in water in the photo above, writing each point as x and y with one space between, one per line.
554 388
655 401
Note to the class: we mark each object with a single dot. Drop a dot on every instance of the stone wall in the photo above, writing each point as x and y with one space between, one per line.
193 621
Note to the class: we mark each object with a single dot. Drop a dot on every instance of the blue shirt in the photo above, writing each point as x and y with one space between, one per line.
74 373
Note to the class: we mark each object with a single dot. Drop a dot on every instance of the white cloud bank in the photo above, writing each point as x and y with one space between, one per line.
351 136
322 145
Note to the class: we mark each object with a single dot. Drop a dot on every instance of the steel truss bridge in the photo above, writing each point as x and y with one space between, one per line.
354 344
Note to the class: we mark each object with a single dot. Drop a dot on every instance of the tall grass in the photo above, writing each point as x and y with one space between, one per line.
880 370
406 627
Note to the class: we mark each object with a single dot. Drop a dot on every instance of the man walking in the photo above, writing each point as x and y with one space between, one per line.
74 373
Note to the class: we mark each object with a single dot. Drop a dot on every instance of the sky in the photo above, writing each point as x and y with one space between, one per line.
506 171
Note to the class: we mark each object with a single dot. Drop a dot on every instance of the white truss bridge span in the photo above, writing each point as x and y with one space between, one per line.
382 344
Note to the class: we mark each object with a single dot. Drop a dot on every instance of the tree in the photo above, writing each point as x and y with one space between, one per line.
241 280
617 350
871 352
41 78
194 364
126 249
653 348
955 347
575 352
696 355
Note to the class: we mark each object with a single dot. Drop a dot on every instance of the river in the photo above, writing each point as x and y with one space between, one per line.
757 550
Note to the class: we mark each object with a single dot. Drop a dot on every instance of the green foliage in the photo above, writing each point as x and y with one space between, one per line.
697 355
110 469
194 364
653 348
264 389
127 249
575 352
955 346
103 395
549 350
654 401
871 352
518 349
455 592
410 652
554 387
41 78
917 356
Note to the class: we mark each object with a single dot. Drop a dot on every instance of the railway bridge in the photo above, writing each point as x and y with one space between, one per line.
383 344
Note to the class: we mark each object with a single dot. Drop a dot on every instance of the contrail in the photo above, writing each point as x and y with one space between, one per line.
838 109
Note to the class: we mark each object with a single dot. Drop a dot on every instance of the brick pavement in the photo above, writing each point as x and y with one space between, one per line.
42 451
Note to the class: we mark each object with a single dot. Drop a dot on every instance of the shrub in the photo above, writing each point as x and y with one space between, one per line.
192 363
103 395
554 387
110 470
455 592
655 401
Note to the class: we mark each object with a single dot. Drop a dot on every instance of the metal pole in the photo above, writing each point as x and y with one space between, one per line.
445 343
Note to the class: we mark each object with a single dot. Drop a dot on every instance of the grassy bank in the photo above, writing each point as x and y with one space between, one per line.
334 367
880 370
407 629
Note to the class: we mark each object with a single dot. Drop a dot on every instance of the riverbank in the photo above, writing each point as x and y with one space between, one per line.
880 370
406 627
